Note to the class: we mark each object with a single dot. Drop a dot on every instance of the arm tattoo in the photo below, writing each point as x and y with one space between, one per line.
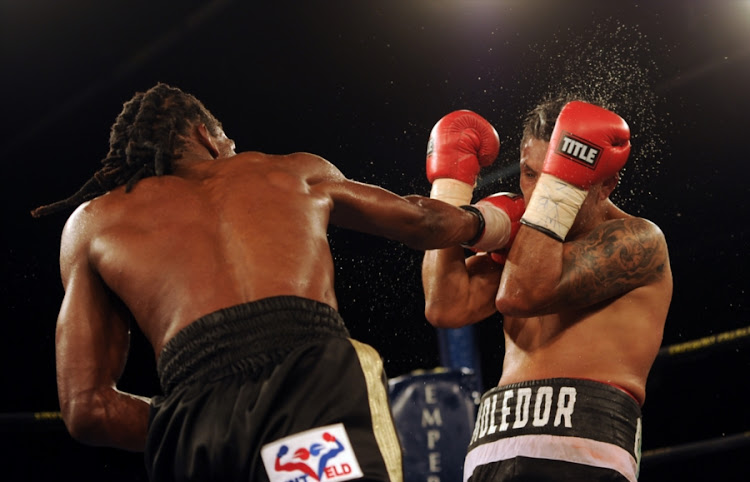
613 259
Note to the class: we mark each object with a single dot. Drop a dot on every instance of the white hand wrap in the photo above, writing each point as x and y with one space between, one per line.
452 191
553 206
496 228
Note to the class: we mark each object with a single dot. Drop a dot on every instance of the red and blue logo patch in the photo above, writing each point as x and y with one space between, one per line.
320 454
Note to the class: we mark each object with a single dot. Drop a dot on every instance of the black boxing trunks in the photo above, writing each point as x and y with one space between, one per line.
557 429
273 390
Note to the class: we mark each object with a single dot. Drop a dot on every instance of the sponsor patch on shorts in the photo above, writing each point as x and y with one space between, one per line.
322 454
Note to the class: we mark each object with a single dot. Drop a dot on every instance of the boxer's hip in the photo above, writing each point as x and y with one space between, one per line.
246 339
569 420
249 376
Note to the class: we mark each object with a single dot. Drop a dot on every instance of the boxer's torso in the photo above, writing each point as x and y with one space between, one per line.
178 247
615 341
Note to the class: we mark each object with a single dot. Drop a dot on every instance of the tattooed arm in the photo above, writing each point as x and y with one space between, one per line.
544 276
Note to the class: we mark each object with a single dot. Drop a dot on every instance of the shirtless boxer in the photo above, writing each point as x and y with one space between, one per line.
222 260
584 295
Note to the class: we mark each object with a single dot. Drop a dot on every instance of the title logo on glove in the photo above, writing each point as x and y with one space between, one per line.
578 150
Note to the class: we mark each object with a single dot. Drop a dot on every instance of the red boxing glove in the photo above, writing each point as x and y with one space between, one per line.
460 144
501 255
588 145
502 215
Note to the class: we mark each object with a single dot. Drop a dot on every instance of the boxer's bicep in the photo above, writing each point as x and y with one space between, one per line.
91 339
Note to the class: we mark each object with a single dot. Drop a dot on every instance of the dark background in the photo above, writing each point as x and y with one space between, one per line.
361 83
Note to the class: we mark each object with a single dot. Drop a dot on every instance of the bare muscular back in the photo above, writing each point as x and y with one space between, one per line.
227 232
220 231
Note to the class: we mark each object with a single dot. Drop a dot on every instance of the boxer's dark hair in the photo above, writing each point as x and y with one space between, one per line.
147 136
540 121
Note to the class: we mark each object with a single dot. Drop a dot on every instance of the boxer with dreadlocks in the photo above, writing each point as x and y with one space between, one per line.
143 142
222 260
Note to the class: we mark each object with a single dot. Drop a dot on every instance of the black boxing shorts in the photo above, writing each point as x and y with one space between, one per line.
273 390
557 429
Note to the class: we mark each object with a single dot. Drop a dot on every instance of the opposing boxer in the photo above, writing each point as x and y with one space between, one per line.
223 262
584 295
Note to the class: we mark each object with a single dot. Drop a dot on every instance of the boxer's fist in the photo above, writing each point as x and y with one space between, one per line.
502 215
460 144
589 144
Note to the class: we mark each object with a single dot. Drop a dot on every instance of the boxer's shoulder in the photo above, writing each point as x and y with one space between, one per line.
628 251
629 228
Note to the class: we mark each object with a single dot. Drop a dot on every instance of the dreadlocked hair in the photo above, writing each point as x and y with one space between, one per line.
146 138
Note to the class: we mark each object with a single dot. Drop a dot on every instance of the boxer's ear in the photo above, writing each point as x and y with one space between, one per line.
609 185
206 140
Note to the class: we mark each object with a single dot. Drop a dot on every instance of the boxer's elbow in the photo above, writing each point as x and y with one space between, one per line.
442 315
434 316
510 305
521 303
85 416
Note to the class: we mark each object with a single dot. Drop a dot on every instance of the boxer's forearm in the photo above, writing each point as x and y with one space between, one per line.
441 225
530 279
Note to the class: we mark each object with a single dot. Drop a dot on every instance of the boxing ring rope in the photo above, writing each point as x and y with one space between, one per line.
704 447
704 343
31 421
52 420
